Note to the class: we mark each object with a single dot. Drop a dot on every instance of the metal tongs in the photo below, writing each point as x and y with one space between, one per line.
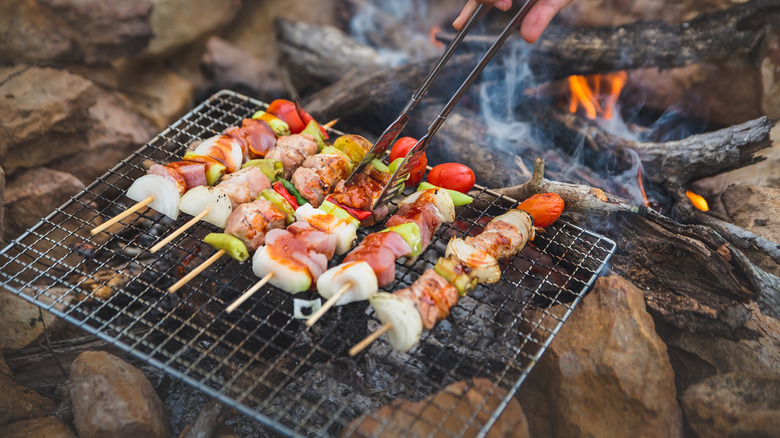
391 132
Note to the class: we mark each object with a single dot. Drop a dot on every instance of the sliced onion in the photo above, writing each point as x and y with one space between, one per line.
289 277
522 221
484 266
403 315
166 195
360 277
235 149
198 199
299 305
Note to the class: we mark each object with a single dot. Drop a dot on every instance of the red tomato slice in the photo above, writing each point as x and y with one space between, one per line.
453 176
285 110
400 149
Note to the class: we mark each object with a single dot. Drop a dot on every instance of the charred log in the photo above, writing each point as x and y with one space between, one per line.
673 164
372 100
693 277
717 37
316 56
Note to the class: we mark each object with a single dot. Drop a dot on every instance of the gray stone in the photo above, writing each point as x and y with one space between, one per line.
116 131
18 403
30 32
111 398
225 66
34 194
45 116
46 427
755 209
159 94
606 373
105 30
734 405
176 23
2 201
22 322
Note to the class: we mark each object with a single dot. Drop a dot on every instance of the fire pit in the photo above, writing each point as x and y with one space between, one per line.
260 359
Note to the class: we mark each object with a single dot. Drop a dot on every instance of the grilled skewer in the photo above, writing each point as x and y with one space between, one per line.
467 261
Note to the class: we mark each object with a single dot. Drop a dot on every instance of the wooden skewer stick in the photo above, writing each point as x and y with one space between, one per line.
330 124
328 304
251 291
211 260
360 346
137 206
179 231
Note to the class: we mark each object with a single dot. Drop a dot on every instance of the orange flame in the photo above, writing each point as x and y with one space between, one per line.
586 93
697 200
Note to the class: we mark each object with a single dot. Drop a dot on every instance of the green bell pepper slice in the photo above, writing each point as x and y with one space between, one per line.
313 128
458 198
231 244
279 202
273 169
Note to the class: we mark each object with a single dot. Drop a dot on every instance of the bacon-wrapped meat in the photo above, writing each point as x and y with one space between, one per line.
380 251
433 296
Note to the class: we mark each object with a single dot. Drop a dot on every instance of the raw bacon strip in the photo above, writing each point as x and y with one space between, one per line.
171 175
194 174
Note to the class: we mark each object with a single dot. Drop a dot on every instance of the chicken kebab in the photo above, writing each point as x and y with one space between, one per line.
262 221
467 262
208 162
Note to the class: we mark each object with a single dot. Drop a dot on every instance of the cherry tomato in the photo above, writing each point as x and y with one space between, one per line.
400 149
545 208
285 110
453 176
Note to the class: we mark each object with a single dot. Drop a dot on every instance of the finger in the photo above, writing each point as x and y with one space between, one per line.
469 9
539 17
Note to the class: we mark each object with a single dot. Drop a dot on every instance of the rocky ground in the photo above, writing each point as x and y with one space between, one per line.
84 83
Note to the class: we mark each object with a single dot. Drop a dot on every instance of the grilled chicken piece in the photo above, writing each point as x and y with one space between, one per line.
310 185
292 150
251 221
433 296
245 185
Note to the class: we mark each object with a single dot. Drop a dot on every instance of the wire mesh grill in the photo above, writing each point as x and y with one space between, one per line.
260 358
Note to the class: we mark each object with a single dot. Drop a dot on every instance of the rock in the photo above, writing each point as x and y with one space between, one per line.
104 30
18 403
22 322
157 93
46 427
754 208
697 356
605 374
227 67
176 23
34 194
2 200
30 32
734 405
460 401
116 132
112 398
45 116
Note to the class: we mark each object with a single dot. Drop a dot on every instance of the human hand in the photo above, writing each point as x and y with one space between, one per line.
533 24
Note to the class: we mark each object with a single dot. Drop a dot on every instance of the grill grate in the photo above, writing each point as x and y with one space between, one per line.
260 359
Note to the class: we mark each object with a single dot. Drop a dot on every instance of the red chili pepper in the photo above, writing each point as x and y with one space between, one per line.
357 214
279 188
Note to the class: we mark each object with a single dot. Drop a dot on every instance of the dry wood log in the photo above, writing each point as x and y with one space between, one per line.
693 278
316 56
721 36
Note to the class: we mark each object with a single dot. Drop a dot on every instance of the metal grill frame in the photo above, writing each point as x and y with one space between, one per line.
191 338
